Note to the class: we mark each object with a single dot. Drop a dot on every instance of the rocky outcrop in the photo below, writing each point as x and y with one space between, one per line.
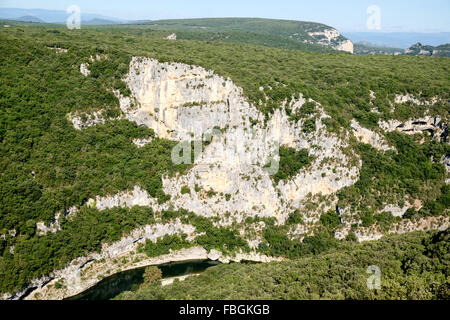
332 38
446 162
84 69
405 226
54 226
228 179
432 125
369 137
173 36
179 102
346 46
87 120
127 199
396 211
58 50
142 142
430 51
401 98
423 224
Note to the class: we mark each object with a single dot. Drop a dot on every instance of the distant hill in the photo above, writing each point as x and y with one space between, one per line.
99 21
401 40
304 32
53 16
424 50
366 48
29 19
267 40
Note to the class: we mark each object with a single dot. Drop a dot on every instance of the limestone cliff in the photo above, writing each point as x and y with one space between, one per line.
188 103
332 38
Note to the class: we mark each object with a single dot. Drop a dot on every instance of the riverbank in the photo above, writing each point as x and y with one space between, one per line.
80 276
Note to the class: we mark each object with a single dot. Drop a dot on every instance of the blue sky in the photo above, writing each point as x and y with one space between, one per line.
346 15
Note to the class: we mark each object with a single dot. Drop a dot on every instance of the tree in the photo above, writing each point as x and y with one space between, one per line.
152 274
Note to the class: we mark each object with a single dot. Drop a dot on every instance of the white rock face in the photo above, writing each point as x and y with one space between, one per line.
91 119
54 226
427 123
84 69
401 98
369 137
177 98
364 237
58 50
423 224
128 199
329 36
140 143
395 210
346 46
182 103
405 226
446 162
173 36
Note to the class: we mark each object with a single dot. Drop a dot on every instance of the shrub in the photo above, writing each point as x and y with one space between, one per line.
151 275
185 190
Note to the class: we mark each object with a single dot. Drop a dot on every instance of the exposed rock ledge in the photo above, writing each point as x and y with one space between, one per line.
400 98
142 142
91 119
446 162
369 137
433 125
404 226
58 50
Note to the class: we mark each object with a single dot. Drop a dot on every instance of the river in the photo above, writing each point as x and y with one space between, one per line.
128 280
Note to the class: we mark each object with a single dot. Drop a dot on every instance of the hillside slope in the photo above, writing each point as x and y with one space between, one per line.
305 32
267 40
